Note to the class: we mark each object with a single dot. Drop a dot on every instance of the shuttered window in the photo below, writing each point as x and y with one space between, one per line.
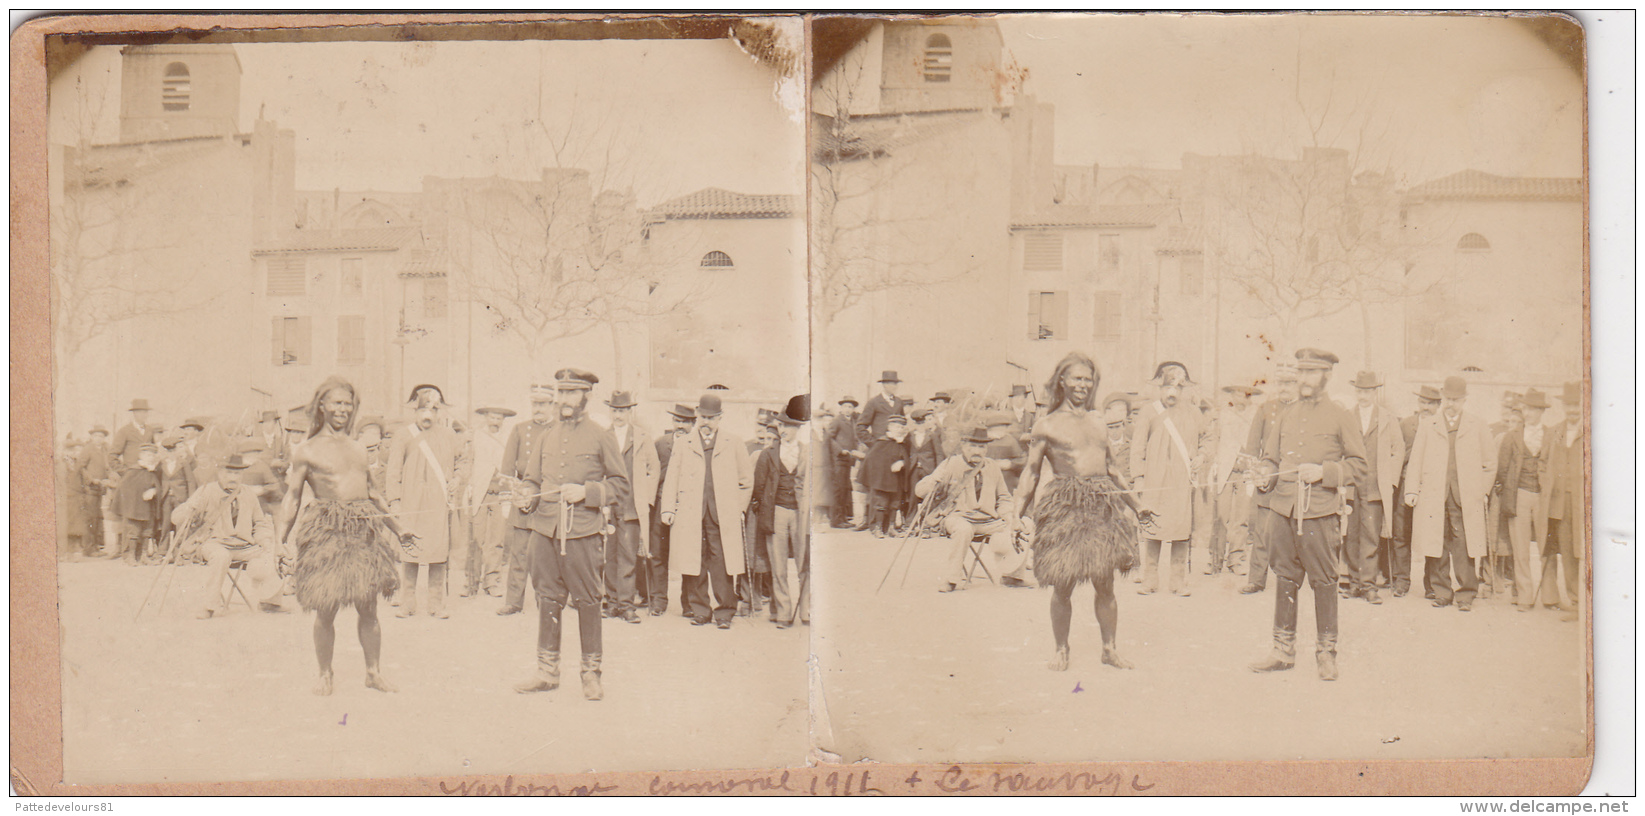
292 337
351 340
1042 251
939 58
174 88
286 277
1047 315
1105 317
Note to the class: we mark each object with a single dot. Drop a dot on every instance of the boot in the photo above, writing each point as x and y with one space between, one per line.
548 673
1284 655
592 690
1326 655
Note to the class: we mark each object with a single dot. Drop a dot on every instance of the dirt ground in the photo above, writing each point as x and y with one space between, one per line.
170 698
912 675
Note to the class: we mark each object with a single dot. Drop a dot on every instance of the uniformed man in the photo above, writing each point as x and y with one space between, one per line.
518 453
1309 457
578 478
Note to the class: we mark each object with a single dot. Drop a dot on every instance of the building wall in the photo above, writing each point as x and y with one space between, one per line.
973 77
213 92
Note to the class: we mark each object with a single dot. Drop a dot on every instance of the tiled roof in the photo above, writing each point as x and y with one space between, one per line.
424 263
714 202
342 240
1479 185
1102 215
1182 240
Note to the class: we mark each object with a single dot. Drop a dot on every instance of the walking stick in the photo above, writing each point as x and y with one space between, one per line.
168 559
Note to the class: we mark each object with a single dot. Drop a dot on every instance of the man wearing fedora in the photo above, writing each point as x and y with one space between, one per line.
578 477
1169 449
843 447
1309 458
1369 526
704 495
779 495
652 575
524 443
1452 469
880 408
92 469
1567 508
485 504
231 527
123 451
1023 409
1520 493
1399 558
427 467
1263 517
974 501
634 515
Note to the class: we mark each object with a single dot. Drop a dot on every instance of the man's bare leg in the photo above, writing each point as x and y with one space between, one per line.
1108 618
371 642
325 636
1062 614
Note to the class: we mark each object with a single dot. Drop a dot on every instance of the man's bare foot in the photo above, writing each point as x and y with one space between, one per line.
1111 656
323 688
375 680
1060 661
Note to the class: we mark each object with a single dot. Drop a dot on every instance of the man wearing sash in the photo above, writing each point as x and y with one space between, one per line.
1169 448
426 467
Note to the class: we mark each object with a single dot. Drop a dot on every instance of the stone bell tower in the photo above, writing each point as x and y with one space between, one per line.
178 91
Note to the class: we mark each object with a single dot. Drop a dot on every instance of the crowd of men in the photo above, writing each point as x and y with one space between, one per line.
1342 496
332 509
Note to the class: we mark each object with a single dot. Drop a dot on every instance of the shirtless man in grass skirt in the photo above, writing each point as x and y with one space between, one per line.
344 553
1083 530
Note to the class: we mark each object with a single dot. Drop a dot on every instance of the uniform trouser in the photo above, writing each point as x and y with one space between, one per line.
1565 542
1361 547
1307 555
1233 525
1000 556
1519 539
651 575
1453 557
260 568
710 572
517 564
840 513
571 579
789 538
1264 521
487 527
619 566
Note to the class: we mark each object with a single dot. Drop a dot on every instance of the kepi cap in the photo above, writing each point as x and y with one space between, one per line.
1315 358
574 378
502 411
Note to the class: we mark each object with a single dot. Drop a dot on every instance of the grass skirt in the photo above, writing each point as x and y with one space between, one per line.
344 555
1083 532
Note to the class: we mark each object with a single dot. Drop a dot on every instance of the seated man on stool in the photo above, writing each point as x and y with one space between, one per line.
975 502
232 527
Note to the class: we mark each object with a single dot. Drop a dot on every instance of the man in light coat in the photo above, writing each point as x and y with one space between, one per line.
633 539
1369 526
706 490
427 468
231 526
486 505
1453 466
1168 450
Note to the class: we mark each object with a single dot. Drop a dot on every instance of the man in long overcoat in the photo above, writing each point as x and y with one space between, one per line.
1453 467
633 537
709 482
1567 508
1369 526
427 469
1169 448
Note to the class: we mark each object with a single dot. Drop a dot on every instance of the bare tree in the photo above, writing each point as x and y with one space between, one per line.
863 241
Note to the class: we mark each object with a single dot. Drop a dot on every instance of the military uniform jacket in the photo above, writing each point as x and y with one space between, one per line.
1314 431
518 452
1267 414
577 452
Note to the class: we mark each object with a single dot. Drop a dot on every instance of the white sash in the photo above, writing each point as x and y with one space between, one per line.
439 472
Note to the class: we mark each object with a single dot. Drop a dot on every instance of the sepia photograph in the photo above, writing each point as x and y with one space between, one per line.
1203 387
826 404
412 390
